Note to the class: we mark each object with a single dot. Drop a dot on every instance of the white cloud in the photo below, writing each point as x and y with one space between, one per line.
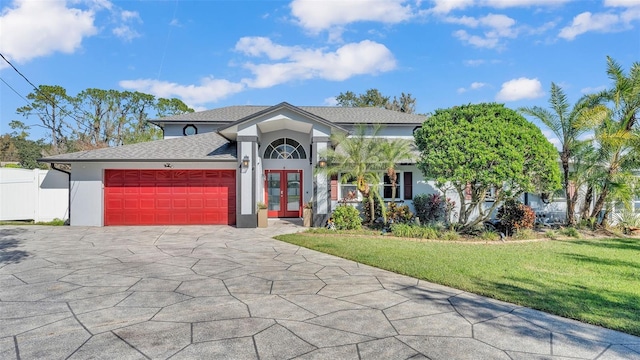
591 90
442 7
523 3
473 86
124 30
446 6
317 16
477 41
258 46
519 89
330 101
292 63
474 62
32 29
209 89
365 57
497 27
621 3
586 21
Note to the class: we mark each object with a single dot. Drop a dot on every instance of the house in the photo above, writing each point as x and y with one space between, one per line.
215 166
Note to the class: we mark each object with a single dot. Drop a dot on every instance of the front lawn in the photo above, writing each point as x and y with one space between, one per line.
594 281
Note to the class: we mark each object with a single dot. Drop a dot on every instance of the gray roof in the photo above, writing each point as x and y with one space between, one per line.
202 147
334 114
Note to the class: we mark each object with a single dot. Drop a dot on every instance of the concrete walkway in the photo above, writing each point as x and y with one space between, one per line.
217 292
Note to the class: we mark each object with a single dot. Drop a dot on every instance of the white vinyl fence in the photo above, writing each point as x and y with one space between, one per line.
39 195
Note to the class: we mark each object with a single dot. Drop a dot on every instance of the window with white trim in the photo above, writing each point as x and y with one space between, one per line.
285 148
347 190
387 187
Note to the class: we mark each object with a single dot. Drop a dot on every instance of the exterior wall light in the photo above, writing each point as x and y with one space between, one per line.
245 161
322 163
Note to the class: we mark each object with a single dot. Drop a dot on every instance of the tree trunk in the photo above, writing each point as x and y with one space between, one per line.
605 219
588 198
393 177
600 202
372 209
570 205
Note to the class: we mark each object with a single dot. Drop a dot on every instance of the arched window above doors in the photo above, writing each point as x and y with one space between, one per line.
285 149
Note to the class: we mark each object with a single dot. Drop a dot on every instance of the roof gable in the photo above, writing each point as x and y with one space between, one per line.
231 129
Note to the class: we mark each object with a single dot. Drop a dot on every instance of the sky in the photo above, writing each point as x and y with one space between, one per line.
219 53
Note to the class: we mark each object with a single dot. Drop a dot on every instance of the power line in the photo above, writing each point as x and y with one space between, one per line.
23 98
15 91
18 71
37 90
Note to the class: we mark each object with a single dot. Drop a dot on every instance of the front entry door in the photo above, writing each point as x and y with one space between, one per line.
284 193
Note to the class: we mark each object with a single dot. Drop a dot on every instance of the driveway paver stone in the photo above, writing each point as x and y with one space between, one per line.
217 292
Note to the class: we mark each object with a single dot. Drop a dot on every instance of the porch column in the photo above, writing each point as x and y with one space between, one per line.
246 214
322 204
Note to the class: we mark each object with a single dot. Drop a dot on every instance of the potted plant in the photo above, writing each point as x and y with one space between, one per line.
262 214
307 214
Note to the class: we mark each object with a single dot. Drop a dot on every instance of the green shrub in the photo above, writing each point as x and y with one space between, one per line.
347 217
450 235
515 216
489 235
398 213
571 232
524 234
432 207
551 234
414 231
366 210
627 219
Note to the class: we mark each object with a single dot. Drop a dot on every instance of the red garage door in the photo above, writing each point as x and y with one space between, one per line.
169 197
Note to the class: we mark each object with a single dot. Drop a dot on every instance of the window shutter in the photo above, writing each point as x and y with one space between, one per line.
334 187
408 185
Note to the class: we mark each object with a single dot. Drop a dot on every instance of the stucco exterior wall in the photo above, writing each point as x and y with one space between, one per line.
176 130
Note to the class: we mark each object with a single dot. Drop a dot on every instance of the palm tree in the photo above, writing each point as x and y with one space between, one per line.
617 137
357 159
567 125
391 153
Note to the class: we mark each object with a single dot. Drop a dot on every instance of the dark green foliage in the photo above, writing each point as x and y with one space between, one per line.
346 217
374 98
432 207
398 213
366 208
515 216
96 118
16 147
479 147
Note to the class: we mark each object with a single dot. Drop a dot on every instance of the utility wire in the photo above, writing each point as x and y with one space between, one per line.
18 71
46 96
15 91
22 97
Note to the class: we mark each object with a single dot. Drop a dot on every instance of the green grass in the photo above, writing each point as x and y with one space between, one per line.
594 281
54 222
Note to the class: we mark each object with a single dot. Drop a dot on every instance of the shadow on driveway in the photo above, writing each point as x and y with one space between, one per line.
8 244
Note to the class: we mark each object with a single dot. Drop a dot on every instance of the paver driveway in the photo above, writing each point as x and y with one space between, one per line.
220 292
